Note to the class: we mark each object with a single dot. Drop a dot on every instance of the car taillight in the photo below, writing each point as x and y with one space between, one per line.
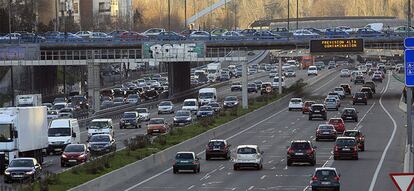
318 131
309 151
337 178
194 162
355 149
290 151
314 178
336 148
175 162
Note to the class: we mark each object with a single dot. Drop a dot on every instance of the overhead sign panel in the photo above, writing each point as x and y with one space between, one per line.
153 50
337 45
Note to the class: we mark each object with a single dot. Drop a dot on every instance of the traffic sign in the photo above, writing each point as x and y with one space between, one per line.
409 42
403 181
409 67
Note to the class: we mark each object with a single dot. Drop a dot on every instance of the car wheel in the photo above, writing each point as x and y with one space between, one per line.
363 147
313 162
261 167
356 119
198 170
289 163
303 112
235 167
175 170
317 139
366 103
356 157
207 157
336 158
290 109
62 164
353 103
337 109
136 126
325 118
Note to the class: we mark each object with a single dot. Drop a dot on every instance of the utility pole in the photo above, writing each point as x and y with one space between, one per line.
12 84
227 14
56 16
10 24
245 103
280 75
409 14
288 9
185 14
297 14
169 15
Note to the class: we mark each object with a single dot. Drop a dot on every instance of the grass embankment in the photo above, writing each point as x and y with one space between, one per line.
141 147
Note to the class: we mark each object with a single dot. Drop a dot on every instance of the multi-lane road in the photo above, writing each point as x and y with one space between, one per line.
272 128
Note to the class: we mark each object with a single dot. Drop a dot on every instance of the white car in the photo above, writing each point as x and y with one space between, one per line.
200 34
340 91
143 113
153 32
100 126
338 100
248 156
275 82
345 73
133 99
190 105
236 86
166 107
295 103
84 34
312 70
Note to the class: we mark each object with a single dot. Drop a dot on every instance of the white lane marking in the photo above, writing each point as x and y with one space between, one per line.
189 188
320 87
222 168
263 177
148 179
358 126
250 188
270 161
384 153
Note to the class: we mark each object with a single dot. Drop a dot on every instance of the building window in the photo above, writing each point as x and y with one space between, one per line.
75 8
103 7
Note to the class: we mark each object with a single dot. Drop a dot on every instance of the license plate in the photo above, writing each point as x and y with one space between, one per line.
180 123
326 133
325 183
360 98
58 149
349 117
72 161
127 123
300 154
317 111
216 149
18 176
156 130
346 149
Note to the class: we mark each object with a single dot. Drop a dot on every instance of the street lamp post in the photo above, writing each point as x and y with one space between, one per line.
288 9
169 15
185 14
297 14
10 28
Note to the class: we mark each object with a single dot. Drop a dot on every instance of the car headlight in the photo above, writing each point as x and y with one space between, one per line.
175 119
188 118
64 156
30 172
82 156
107 145
6 172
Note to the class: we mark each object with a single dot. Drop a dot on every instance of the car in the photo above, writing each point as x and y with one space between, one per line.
186 161
100 35
166 107
340 91
218 148
312 70
200 35
347 88
368 91
84 34
325 178
133 99
251 87
182 117
230 102
130 119
218 32
295 104
157 126
236 86
325 131
357 134
359 80
205 111
349 114
306 106
118 101
258 83
303 33
190 105
345 73
230 35
377 77
336 96
317 110
74 154
368 32
20 169
143 113
248 156
106 104
331 103
372 85
100 126
169 35
275 83
336 33
101 144
215 105
320 65
338 123
301 151
346 147
268 35
289 73
360 97
248 32
153 32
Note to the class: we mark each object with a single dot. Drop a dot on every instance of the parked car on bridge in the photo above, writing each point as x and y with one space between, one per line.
200 35
84 34
263 35
367 32
132 36
153 32
302 33
169 35
335 33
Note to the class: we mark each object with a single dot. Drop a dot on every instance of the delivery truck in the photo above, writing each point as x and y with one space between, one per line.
23 133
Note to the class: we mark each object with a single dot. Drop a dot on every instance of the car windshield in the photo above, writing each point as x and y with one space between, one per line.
133 97
359 94
98 125
317 107
206 109
21 163
246 150
216 144
349 111
335 121
129 115
295 101
156 121
325 127
230 98
189 103
338 89
119 99
350 133
185 156
251 85
214 105
299 145
309 103
99 138
75 148
58 107
324 174
330 100
142 110
345 142
59 132
182 113
206 95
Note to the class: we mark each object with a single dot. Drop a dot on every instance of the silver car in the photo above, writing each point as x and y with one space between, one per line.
331 103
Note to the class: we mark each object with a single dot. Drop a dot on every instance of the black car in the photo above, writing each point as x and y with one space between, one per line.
317 111
130 119
347 88
301 151
359 80
360 97
346 147
325 131
371 84
359 137
101 143
350 114
251 88
205 111
218 148
230 102
377 78
325 179
22 169
182 117
368 91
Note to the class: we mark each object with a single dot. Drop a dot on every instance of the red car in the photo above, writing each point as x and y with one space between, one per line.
74 154
132 36
306 106
338 123
157 126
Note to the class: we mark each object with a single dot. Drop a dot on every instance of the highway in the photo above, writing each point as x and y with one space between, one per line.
272 128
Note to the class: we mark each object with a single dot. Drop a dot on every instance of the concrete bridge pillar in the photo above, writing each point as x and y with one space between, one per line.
179 74
94 85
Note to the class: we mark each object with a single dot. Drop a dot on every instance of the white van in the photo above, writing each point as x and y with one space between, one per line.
100 126
190 105
61 133
206 95
312 70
